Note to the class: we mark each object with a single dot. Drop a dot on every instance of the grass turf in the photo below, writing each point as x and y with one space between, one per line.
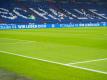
66 45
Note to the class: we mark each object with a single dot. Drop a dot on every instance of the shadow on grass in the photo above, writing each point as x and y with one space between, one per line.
7 75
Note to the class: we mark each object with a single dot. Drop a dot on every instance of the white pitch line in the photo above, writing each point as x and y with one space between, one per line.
19 42
18 39
53 62
89 61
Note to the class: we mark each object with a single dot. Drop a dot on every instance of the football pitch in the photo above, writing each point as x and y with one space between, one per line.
55 54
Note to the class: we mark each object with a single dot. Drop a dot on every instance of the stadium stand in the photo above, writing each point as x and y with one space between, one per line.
50 12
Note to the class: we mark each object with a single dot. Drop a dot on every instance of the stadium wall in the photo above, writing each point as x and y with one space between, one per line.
32 25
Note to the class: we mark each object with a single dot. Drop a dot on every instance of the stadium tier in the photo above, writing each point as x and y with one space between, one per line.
46 12
68 14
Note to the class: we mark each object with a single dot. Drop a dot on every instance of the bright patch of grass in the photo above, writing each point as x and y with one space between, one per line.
64 45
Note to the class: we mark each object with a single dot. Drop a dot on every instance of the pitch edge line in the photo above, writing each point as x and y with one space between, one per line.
89 61
53 62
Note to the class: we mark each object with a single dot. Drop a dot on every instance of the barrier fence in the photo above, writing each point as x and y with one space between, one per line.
33 25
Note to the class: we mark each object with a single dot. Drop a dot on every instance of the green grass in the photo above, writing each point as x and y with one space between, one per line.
66 45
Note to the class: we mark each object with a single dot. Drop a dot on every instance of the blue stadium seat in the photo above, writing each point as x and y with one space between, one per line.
45 12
